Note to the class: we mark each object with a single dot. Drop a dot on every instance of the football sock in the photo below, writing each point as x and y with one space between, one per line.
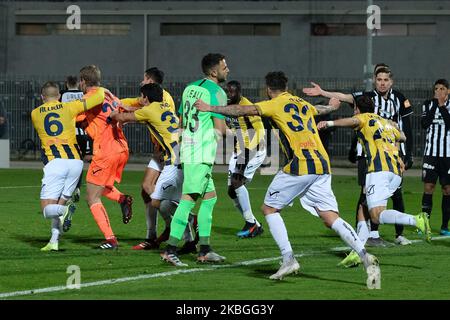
237 205
391 216
179 221
53 211
445 211
167 209
151 218
427 203
363 231
102 219
348 234
244 201
112 194
204 220
279 233
399 205
55 230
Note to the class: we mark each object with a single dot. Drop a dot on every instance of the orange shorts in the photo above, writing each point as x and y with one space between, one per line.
106 169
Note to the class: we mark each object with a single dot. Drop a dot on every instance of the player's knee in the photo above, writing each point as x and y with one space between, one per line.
145 196
429 188
156 203
237 180
446 190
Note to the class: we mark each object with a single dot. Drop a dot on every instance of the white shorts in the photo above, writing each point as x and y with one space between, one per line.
380 186
155 165
169 184
60 178
313 190
249 171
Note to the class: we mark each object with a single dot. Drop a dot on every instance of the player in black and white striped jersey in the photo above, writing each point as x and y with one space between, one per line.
392 105
70 93
436 158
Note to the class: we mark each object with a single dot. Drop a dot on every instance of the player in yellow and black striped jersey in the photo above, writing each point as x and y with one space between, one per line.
54 122
306 175
300 141
163 126
378 137
248 155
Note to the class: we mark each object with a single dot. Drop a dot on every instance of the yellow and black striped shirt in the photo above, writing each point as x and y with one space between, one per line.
163 125
299 137
54 122
378 137
248 130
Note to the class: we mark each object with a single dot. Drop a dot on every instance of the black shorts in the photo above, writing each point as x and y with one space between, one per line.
85 144
362 170
434 167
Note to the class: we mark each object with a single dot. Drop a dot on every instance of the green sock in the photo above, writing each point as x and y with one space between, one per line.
179 221
204 219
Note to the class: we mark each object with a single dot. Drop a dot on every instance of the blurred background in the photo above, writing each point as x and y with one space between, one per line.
322 41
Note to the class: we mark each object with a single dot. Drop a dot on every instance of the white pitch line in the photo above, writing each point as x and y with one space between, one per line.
139 277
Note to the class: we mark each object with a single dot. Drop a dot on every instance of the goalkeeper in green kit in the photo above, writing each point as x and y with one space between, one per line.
198 152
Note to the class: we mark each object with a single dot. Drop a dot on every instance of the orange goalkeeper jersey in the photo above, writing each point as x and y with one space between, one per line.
108 137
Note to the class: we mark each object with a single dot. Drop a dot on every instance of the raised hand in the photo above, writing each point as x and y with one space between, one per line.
316 90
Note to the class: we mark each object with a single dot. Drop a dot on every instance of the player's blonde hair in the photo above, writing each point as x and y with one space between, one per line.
50 89
91 75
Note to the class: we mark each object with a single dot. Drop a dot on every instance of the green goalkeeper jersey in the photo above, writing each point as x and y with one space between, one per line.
198 142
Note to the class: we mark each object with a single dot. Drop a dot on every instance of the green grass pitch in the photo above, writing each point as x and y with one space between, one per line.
418 271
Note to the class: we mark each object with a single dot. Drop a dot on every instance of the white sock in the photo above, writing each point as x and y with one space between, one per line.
279 233
362 230
55 230
374 234
396 217
348 235
54 211
151 217
244 201
237 205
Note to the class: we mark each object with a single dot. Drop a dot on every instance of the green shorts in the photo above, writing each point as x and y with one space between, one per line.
197 178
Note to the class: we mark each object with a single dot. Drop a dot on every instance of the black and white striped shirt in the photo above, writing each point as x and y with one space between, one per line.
395 108
436 120
70 95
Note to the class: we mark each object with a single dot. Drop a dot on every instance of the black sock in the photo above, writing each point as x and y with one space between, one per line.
398 204
171 249
445 211
427 203
205 248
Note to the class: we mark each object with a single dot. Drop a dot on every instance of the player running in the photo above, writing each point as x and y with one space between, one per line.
378 137
248 155
307 174
54 122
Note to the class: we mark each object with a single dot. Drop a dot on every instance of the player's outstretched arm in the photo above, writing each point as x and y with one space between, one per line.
345 122
316 90
122 117
233 110
333 105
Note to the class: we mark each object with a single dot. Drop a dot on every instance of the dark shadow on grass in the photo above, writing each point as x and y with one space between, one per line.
225 230
35 242
266 273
